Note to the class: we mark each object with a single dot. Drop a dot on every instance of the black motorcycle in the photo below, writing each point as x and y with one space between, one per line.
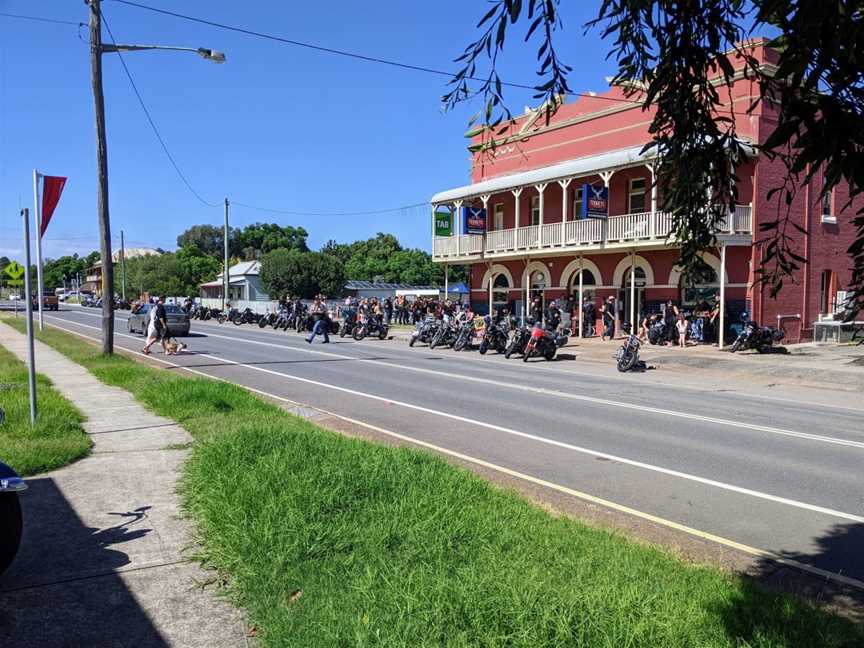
495 336
267 320
247 316
518 341
371 326
445 336
657 331
628 355
464 335
757 337
349 323
426 330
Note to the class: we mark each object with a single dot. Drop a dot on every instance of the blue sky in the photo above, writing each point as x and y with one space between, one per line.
276 126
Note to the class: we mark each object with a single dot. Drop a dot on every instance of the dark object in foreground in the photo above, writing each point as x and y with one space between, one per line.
761 338
627 357
11 520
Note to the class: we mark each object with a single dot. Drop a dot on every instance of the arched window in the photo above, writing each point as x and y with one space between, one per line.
589 282
701 293
538 280
500 290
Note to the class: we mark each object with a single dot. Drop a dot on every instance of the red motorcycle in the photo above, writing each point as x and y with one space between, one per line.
544 342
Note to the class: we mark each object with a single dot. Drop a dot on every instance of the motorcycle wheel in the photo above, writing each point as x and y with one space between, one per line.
13 525
412 341
382 334
735 346
527 354
434 341
484 347
509 351
550 354
359 333
262 323
221 319
460 343
343 330
626 361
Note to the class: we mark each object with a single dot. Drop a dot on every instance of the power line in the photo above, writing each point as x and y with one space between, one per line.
45 20
354 55
152 123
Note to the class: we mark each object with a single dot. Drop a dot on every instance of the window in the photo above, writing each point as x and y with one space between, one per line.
577 204
588 284
636 204
703 293
535 210
498 216
538 281
825 305
827 202
500 290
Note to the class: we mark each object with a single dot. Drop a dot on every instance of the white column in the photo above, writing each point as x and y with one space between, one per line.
540 189
457 221
633 291
722 315
37 220
527 290
485 200
491 281
564 184
446 281
516 193
652 225
606 176
581 298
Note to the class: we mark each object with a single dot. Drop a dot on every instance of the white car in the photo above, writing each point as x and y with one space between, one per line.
15 297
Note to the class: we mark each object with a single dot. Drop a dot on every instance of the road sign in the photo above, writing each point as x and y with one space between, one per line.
14 270
14 282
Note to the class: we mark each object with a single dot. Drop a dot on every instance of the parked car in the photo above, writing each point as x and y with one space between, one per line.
11 522
178 320
49 301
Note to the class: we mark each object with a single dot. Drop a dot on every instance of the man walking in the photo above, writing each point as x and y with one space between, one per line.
321 326
609 316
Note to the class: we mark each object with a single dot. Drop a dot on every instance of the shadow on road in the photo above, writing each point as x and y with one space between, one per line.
62 589
839 551
234 362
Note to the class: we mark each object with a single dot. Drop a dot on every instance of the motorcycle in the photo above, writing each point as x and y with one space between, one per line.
518 341
757 337
657 331
445 336
267 320
628 355
247 316
371 326
11 519
348 324
495 336
544 342
426 330
464 335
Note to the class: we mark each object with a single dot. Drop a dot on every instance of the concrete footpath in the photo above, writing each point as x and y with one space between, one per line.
106 555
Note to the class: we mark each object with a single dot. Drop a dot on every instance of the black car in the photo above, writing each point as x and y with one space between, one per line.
178 320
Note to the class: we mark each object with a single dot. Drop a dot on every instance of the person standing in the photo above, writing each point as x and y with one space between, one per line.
321 325
609 316
681 327
670 317
157 327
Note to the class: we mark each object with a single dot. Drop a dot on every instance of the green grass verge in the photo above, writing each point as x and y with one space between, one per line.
57 438
331 541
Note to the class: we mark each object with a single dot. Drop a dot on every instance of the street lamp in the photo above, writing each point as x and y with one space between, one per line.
96 51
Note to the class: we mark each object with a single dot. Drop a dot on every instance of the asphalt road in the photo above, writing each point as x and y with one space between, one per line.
782 475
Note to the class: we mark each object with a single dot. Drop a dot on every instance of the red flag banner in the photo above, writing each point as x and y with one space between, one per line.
52 187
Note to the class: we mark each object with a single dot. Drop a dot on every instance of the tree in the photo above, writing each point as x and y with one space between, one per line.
668 52
208 239
196 268
266 237
287 272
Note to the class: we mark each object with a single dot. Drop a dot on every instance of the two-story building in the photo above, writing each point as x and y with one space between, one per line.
536 242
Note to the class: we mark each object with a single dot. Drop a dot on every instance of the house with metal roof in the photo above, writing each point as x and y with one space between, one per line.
244 283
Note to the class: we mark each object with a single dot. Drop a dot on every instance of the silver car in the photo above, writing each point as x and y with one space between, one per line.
178 320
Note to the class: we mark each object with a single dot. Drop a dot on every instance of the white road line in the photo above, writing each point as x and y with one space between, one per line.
560 444
819 438
761 553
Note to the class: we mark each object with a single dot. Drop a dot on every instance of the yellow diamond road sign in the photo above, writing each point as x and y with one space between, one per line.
15 270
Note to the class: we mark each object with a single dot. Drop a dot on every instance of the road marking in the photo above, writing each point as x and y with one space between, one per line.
819 438
753 551
560 444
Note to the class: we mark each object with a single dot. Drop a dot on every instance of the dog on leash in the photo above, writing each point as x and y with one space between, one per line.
174 347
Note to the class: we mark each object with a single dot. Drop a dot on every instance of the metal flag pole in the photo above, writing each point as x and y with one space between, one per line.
31 356
37 222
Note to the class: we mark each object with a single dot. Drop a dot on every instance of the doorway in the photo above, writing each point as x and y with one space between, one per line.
624 296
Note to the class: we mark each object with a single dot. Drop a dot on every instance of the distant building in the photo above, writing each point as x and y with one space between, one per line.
381 290
244 283
93 277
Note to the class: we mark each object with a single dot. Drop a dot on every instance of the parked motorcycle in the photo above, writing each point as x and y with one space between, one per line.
518 341
371 326
464 335
349 323
246 316
657 331
628 355
425 331
495 336
445 336
757 337
267 320
11 520
544 342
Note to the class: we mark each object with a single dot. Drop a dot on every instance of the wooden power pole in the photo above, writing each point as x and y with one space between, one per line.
102 173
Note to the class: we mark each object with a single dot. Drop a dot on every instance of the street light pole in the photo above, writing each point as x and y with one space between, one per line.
102 176
226 279
123 265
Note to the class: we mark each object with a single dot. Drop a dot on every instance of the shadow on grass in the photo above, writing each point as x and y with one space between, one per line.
838 552
63 589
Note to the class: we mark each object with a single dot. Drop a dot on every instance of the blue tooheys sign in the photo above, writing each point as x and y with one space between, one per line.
473 220
595 201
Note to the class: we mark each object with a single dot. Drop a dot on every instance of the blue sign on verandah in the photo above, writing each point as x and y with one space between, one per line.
595 201
473 220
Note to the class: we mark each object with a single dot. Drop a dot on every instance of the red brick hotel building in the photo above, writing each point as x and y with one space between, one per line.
537 244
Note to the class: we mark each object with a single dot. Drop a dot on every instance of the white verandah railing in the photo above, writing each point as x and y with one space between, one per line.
645 226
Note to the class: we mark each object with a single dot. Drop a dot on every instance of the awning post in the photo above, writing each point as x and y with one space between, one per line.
721 335
632 291
581 298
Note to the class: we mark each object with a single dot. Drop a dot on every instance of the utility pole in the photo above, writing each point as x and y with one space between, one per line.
102 173
226 279
123 264
31 355
37 220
